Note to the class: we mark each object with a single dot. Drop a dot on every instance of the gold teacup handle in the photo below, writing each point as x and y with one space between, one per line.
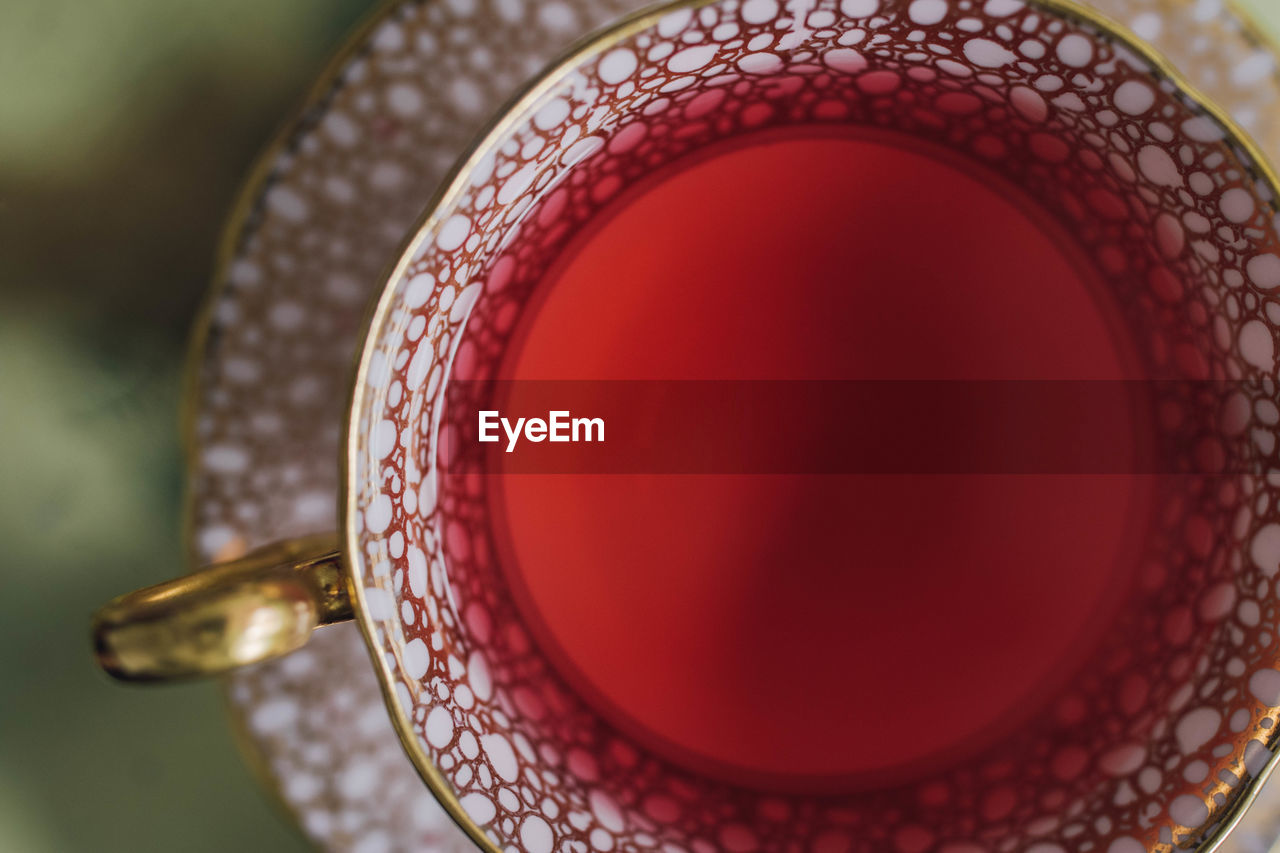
260 606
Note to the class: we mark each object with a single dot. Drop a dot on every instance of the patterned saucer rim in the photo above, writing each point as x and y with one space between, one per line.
257 182
235 223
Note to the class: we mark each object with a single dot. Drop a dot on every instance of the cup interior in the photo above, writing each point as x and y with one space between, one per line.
1177 217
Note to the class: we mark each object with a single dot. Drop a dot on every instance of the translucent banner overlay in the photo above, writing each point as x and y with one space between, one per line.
858 427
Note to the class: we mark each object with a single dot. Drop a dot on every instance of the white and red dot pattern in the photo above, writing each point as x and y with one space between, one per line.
342 195
1182 225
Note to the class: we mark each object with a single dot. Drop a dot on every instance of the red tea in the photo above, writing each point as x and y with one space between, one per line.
800 629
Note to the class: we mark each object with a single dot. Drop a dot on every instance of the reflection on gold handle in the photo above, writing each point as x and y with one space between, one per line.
260 606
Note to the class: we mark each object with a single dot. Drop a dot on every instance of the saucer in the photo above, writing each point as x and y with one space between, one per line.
323 214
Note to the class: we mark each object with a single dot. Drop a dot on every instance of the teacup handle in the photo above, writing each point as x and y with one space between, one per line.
260 606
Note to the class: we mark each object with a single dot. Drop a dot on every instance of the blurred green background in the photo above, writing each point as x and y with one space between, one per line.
125 128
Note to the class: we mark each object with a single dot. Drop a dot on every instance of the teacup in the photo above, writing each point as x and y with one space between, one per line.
1174 204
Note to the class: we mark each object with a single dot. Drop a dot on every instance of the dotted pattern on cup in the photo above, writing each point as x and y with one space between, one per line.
1060 107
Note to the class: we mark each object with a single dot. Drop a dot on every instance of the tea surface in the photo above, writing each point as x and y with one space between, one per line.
806 630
